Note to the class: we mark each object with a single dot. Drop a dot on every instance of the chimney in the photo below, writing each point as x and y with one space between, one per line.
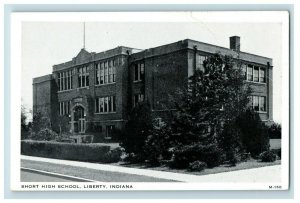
235 43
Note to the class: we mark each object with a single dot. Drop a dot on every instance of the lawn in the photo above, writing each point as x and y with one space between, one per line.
252 163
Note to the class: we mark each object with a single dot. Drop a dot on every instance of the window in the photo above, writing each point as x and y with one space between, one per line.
256 74
262 75
106 72
138 98
109 131
255 103
105 104
262 104
83 77
250 73
64 108
201 62
244 71
139 72
64 80
258 103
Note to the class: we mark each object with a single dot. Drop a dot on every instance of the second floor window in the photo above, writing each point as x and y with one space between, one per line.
65 80
139 72
105 73
105 104
83 76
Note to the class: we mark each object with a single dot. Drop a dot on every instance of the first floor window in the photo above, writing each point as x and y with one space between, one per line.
137 98
109 131
65 108
105 104
262 104
258 103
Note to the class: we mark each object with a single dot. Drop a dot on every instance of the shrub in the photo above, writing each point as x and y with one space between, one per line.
68 151
254 135
277 152
210 154
157 144
267 156
197 166
113 155
45 134
274 131
229 140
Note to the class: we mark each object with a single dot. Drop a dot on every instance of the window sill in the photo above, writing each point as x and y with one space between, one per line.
99 85
262 112
137 81
87 87
104 113
63 91
259 83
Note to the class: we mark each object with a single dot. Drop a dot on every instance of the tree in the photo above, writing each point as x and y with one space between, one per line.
39 122
157 145
215 96
136 131
25 127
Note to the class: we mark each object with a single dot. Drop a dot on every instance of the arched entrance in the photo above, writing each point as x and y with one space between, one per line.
79 119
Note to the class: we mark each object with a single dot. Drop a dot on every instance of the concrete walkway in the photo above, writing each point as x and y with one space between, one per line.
270 174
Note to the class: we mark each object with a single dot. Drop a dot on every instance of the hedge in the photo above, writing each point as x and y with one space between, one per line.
67 151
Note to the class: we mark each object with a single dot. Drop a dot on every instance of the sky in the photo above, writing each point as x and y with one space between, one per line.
45 44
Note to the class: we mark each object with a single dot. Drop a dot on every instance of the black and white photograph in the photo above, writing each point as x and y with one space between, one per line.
150 101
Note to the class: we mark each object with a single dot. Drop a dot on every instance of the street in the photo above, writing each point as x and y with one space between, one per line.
30 176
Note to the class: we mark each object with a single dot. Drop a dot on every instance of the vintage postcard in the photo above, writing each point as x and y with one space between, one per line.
150 101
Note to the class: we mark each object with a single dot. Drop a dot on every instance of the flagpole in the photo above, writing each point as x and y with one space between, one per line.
83 35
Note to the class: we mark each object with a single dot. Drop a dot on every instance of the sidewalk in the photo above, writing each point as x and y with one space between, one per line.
257 175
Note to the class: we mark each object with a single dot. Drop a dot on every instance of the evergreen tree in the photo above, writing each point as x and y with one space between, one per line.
136 131
215 94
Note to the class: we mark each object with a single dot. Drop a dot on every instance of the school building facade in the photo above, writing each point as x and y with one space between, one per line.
92 94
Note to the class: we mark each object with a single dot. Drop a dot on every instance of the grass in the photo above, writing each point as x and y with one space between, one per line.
252 163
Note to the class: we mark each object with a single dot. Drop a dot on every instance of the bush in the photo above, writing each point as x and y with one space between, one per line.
254 135
197 166
267 156
274 131
45 134
229 140
210 154
113 155
68 151
157 144
277 152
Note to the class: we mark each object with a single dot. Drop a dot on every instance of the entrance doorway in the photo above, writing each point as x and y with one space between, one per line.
79 120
